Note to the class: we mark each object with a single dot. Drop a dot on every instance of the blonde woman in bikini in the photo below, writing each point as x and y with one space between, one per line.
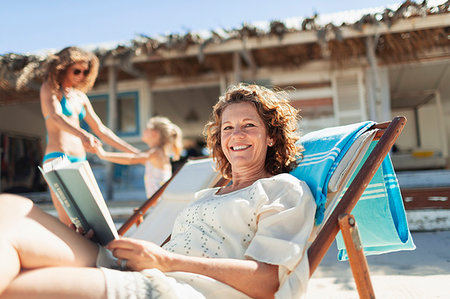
69 75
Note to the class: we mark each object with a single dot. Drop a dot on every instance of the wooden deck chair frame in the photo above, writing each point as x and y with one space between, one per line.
339 219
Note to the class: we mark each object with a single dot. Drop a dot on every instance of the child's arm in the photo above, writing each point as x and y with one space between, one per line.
122 158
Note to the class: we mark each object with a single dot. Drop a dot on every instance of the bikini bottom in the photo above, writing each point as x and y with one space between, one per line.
71 158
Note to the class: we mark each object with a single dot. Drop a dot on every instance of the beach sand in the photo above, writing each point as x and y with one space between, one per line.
422 273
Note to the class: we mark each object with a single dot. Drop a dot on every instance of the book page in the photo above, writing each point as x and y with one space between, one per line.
59 162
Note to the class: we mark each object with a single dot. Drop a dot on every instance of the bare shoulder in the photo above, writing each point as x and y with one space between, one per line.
47 96
45 91
156 153
157 157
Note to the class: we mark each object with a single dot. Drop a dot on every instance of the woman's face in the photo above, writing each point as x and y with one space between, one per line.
244 138
76 73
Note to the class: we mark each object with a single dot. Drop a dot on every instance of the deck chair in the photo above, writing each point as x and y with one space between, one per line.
358 163
161 209
347 169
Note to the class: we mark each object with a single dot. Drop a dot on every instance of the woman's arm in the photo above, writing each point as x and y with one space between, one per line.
103 132
53 113
156 156
123 158
256 279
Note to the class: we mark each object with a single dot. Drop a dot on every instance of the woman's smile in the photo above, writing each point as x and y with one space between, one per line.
240 147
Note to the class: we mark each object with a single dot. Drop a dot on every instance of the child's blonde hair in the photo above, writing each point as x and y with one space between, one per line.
170 134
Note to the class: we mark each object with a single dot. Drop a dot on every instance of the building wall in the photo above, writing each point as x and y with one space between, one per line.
22 132
326 96
144 102
24 119
345 90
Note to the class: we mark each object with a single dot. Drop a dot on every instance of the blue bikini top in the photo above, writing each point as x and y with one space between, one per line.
68 111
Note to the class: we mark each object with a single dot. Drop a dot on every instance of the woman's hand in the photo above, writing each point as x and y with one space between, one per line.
90 142
100 151
140 255
256 279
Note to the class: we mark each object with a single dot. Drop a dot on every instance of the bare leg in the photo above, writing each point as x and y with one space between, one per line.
31 239
58 283
62 215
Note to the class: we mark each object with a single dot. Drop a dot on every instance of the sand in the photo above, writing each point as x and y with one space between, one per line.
422 273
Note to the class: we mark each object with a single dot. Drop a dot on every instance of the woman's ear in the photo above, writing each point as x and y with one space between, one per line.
270 141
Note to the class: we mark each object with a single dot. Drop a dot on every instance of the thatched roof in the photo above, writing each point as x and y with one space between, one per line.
191 54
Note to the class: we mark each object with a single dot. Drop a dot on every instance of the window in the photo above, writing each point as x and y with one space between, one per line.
127 112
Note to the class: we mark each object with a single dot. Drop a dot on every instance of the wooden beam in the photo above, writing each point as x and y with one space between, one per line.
426 198
131 70
302 37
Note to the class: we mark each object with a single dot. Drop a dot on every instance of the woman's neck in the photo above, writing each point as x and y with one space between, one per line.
243 180
65 89
66 85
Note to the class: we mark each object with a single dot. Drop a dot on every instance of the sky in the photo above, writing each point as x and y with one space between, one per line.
33 26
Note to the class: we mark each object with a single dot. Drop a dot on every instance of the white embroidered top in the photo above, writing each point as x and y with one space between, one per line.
269 221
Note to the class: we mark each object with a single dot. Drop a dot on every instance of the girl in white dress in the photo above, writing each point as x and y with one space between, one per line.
247 239
164 140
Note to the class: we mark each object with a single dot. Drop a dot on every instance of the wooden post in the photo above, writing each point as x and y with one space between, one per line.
373 82
356 258
112 124
237 67
441 124
223 83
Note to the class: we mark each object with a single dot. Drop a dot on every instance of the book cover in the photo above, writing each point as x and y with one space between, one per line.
75 186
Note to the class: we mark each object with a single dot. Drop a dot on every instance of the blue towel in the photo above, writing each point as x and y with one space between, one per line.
324 150
380 214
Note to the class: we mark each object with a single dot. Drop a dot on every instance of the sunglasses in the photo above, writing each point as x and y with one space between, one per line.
76 72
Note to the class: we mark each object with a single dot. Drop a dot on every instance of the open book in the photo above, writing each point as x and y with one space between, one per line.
76 188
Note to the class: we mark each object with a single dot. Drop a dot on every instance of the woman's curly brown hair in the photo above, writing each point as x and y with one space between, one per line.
280 118
57 65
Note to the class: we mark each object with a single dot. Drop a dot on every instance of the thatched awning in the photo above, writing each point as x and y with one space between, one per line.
402 35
